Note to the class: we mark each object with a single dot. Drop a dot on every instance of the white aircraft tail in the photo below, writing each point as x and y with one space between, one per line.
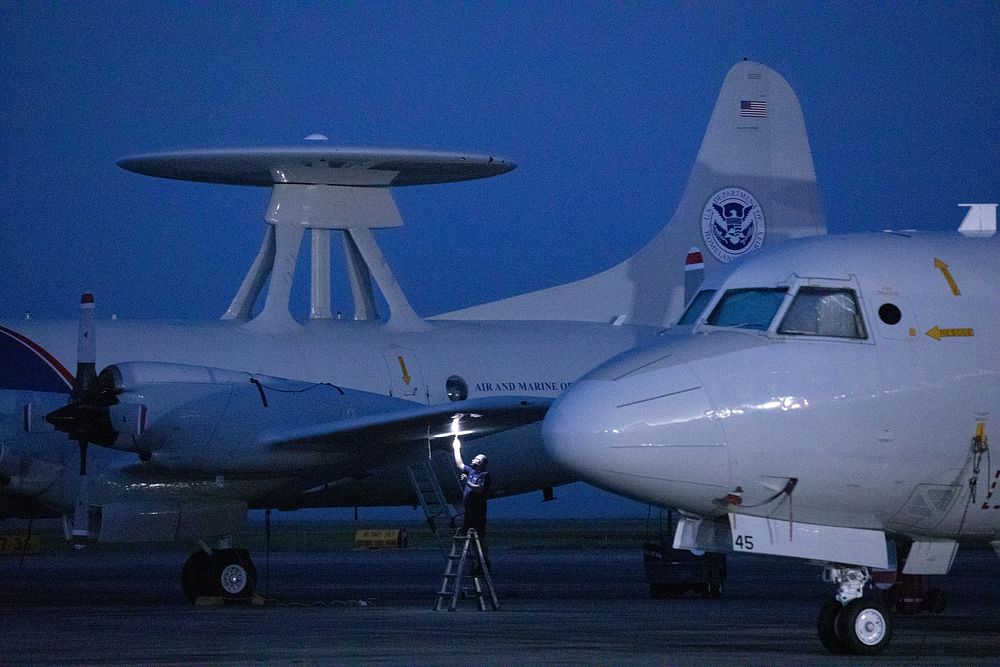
752 184
979 220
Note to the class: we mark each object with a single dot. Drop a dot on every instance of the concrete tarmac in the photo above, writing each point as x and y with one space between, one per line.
571 606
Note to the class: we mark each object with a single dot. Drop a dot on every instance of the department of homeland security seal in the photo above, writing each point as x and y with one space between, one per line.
732 224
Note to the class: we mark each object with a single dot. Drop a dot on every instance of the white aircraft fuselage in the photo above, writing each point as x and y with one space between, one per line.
494 359
865 394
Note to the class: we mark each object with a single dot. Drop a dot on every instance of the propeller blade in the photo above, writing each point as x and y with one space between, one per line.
84 415
84 386
81 510
86 352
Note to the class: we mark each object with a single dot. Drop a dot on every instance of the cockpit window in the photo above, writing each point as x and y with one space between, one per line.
698 304
824 311
747 308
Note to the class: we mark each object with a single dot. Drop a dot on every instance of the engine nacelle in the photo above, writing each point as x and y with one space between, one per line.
200 419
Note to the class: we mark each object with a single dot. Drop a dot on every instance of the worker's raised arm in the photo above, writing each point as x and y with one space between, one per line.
456 448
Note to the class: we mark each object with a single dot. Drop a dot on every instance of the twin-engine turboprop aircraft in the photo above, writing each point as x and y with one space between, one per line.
831 399
190 425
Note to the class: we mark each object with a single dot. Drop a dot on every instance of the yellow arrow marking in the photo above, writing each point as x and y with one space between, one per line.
938 264
937 333
406 373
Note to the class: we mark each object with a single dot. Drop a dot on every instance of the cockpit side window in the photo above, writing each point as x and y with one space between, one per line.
698 304
747 308
824 311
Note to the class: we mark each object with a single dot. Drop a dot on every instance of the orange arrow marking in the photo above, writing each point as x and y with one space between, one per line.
938 264
937 333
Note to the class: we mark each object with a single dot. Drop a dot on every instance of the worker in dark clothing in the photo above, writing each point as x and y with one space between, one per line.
475 491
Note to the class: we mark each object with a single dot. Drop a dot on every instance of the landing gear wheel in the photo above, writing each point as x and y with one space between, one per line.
193 576
864 627
232 574
910 594
826 627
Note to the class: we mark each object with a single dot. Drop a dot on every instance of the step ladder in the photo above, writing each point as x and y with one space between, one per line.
428 489
459 568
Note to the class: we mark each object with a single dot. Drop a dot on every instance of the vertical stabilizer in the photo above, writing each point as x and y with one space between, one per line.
752 184
980 220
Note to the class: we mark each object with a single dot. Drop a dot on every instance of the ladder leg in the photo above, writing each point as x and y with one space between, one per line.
480 598
486 575
455 578
459 574
450 579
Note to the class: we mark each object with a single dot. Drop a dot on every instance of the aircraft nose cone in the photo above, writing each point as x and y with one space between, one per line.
578 428
653 436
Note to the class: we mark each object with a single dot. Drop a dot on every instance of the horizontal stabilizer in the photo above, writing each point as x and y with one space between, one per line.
469 419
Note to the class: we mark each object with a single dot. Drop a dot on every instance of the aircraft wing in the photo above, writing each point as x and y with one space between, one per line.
193 418
468 419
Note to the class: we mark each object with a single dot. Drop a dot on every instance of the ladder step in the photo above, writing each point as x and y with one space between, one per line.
427 487
467 582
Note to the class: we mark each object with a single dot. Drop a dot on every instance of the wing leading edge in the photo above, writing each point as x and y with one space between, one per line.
468 419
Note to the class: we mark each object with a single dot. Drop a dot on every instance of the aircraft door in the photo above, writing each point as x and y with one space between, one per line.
405 378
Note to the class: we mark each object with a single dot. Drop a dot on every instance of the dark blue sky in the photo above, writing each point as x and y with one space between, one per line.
602 105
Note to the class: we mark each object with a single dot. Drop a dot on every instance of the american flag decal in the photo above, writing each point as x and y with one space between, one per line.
694 261
753 108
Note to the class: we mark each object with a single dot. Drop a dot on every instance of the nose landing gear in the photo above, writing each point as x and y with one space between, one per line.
849 622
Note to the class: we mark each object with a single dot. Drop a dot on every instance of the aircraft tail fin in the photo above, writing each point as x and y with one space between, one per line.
752 184
27 366
979 220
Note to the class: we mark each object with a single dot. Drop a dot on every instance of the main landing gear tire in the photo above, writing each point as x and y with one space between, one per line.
864 627
193 581
232 574
228 573
826 627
